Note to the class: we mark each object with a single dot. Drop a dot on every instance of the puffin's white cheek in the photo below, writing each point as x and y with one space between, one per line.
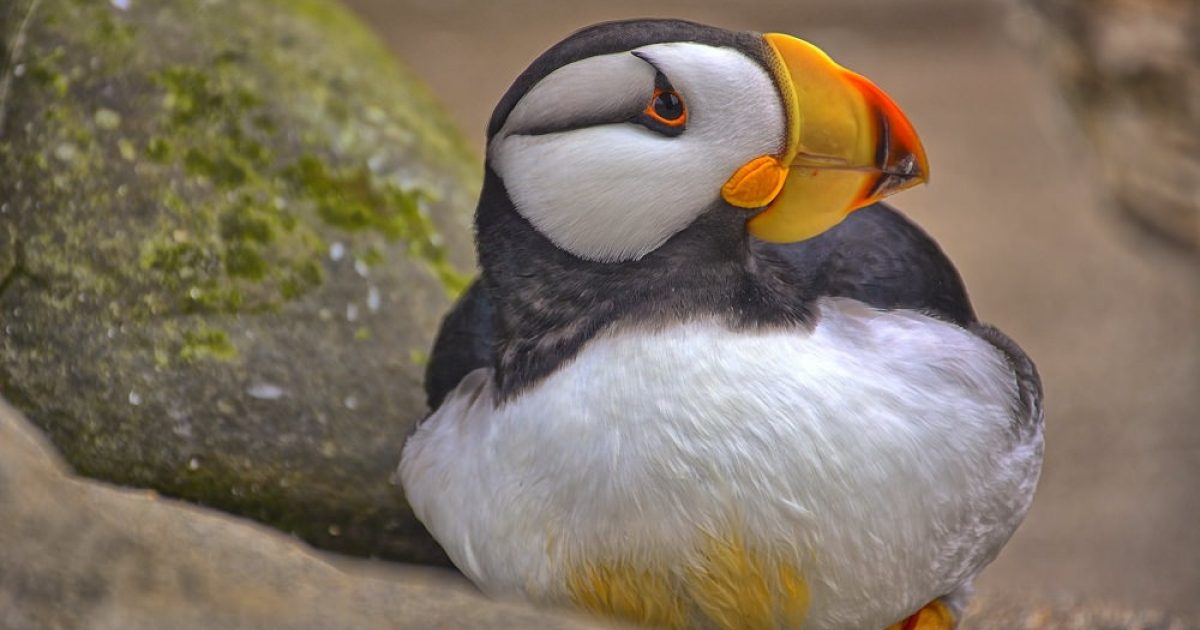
611 192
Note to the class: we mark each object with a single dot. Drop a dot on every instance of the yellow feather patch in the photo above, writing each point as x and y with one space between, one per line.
725 585
793 597
730 586
738 589
619 590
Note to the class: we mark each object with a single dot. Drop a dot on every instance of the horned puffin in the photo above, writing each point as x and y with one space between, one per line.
705 379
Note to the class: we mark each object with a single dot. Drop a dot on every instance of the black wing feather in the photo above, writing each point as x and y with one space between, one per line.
878 257
465 342
1027 409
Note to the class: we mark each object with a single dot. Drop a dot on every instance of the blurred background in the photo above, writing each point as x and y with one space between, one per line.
1063 145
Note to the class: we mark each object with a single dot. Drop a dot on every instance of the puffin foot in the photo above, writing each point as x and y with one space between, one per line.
934 616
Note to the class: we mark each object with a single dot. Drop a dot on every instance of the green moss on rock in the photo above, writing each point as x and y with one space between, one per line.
206 192
352 200
207 343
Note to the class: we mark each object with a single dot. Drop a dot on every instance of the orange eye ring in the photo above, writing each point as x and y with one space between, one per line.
666 107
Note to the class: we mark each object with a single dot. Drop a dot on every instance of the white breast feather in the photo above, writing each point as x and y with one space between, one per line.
876 452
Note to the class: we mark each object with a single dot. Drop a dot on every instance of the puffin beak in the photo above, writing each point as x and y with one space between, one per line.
848 146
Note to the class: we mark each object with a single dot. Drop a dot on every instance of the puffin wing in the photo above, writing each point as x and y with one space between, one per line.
465 342
879 257
1027 409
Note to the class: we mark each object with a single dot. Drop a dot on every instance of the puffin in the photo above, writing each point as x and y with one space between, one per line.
705 379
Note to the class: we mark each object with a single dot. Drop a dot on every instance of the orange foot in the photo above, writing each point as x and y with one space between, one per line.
934 616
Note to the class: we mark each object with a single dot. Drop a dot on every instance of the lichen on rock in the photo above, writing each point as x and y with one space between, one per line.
204 200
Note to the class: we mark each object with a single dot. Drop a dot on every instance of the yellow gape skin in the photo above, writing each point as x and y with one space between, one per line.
756 183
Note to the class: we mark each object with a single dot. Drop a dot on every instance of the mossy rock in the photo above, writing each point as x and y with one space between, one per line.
228 230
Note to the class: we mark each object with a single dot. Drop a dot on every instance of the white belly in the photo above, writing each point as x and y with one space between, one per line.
874 455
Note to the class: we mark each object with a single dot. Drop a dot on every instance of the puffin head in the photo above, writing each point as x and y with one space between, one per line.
623 134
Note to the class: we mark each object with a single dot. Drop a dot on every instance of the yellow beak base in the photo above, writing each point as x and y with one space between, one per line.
848 146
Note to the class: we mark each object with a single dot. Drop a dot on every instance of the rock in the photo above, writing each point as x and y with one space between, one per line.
1130 70
227 233
82 554
991 613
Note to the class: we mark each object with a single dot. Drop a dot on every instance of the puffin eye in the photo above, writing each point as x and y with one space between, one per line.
666 107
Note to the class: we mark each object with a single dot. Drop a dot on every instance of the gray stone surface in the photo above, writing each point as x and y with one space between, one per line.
1038 614
228 231
84 554
1130 70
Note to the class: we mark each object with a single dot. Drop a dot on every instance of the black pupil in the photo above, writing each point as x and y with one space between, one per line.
668 106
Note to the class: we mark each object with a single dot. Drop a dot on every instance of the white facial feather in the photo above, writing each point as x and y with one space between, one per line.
617 191
875 453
